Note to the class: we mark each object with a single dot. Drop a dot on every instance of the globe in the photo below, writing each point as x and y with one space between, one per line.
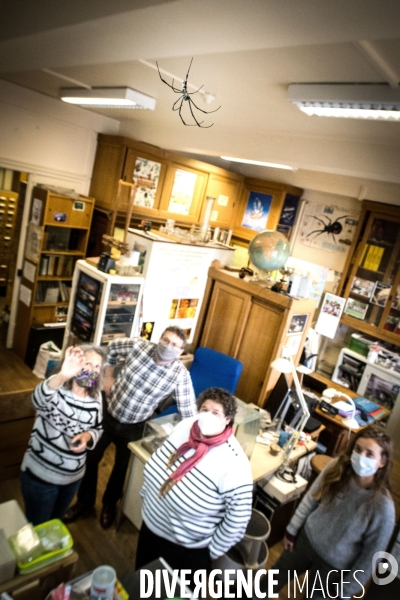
269 250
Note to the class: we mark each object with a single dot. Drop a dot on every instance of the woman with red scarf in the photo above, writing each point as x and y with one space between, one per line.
197 491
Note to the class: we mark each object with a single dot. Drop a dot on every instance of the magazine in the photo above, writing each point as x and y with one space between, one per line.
356 308
362 287
381 293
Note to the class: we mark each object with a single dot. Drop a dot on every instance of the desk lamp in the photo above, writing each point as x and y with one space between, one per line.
285 364
350 422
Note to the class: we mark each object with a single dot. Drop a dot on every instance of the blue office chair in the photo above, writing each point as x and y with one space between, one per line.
214 369
211 369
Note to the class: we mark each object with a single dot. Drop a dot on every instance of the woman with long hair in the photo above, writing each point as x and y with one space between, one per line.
344 519
68 422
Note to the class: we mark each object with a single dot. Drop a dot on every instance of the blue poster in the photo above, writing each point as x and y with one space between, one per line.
257 211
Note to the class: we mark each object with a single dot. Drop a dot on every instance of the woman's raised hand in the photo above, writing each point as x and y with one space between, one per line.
74 361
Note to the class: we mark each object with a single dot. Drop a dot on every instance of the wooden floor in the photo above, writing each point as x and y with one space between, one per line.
96 546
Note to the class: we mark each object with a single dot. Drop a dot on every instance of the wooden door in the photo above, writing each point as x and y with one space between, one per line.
226 319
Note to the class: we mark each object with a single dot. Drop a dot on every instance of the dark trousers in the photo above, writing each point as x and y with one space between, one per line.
151 546
45 501
119 434
302 559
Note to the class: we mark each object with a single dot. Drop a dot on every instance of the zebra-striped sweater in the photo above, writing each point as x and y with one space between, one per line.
210 506
60 416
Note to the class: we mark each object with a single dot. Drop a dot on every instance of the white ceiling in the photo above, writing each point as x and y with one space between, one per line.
246 52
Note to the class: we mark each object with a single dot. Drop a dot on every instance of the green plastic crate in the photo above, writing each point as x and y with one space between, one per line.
59 533
359 345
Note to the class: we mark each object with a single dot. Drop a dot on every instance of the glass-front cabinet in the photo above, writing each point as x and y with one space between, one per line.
371 281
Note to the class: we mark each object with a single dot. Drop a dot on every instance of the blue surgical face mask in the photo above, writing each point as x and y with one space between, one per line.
363 465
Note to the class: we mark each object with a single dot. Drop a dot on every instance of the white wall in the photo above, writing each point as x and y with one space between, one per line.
332 260
49 138
52 141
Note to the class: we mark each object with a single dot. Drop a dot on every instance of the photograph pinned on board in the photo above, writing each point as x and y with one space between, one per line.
356 309
381 293
147 330
329 315
297 324
187 308
362 287
173 308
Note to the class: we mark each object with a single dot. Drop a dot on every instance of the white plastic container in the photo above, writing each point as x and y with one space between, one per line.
103 583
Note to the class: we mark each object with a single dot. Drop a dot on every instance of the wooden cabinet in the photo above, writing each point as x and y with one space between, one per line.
371 278
251 323
57 237
181 184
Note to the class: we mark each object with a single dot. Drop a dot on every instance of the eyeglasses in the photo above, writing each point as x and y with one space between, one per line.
168 342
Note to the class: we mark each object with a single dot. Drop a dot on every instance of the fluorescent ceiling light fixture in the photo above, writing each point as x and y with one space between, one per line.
108 97
352 101
259 163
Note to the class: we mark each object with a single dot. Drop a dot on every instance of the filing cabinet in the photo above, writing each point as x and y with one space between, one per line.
8 214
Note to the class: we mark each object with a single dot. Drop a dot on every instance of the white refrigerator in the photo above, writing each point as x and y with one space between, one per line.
175 279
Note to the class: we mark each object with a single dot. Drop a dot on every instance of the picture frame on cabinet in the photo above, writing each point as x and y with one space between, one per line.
146 169
297 324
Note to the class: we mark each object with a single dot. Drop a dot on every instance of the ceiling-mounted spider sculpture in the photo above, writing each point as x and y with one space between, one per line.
185 96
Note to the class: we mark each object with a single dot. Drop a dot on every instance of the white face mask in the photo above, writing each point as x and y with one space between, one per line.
363 465
210 424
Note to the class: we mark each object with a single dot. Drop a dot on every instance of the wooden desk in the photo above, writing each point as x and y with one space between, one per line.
37 585
262 464
340 434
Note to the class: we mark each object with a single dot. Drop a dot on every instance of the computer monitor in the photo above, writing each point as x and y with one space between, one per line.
278 401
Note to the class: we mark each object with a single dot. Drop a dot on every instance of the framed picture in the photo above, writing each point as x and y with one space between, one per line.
356 308
297 324
146 169
33 242
257 210
362 287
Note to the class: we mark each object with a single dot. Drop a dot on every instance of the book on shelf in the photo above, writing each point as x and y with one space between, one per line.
51 264
44 264
51 295
372 257
60 266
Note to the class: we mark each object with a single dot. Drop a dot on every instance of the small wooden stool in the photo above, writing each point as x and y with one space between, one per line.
319 462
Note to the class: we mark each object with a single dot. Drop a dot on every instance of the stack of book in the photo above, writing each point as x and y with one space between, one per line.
369 410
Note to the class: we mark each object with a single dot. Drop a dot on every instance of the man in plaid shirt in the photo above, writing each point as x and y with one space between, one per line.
150 373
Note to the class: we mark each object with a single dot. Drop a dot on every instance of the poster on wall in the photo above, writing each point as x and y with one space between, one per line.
257 211
182 192
328 227
329 316
146 169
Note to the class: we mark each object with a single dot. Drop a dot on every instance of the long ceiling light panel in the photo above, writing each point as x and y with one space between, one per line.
108 97
354 101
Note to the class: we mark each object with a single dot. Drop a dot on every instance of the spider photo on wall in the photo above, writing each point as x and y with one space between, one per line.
185 96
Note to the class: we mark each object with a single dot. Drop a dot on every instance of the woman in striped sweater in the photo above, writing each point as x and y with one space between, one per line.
197 491
68 421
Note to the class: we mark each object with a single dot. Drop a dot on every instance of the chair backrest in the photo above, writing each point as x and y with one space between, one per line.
214 369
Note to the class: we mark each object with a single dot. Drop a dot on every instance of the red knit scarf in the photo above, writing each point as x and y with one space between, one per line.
201 445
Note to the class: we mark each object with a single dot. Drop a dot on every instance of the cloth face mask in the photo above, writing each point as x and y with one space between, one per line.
86 378
210 424
363 465
167 353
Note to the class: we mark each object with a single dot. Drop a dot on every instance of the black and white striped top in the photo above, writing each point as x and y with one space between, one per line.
210 506
60 416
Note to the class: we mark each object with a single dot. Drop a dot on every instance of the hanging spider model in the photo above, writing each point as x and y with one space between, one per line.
330 228
185 96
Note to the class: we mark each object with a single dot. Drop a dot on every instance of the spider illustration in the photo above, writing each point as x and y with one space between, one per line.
185 96
330 228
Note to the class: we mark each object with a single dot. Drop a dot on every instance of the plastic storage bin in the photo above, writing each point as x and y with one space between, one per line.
57 542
